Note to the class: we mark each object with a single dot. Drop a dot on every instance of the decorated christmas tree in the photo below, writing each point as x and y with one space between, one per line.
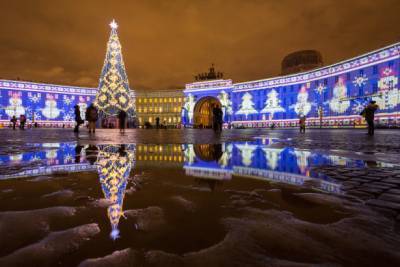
247 106
114 165
272 104
114 93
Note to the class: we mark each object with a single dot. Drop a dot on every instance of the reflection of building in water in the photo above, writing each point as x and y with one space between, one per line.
273 156
247 152
302 157
261 161
114 165
208 162
159 155
45 159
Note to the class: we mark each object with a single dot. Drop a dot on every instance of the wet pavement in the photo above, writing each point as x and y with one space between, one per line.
194 198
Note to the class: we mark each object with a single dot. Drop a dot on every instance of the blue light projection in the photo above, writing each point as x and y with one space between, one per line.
329 96
49 105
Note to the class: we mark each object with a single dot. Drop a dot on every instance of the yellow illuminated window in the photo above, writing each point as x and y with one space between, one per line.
151 100
155 100
140 120
179 99
145 100
144 110
174 100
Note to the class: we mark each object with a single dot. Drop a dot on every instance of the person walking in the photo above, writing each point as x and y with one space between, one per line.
369 114
302 123
122 120
157 123
78 118
13 121
92 116
22 121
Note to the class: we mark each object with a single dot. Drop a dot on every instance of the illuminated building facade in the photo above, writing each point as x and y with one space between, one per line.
330 96
159 155
47 104
166 105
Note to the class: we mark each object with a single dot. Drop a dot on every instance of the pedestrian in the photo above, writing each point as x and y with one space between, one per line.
78 118
217 118
92 116
220 118
13 121
369 114
157 122
302 123
22 121
122 120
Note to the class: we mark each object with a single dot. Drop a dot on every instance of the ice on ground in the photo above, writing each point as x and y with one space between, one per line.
276 238
119 258
19 228
148 219
183 202
62 194
52 248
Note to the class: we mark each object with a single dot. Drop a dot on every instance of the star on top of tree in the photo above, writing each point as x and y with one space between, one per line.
113 24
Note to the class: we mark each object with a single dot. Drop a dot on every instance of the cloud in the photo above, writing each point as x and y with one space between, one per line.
165 43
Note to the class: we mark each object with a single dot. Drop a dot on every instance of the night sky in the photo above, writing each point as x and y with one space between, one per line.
165 43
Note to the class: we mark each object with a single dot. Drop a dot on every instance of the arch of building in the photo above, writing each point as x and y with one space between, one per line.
203 111
330 96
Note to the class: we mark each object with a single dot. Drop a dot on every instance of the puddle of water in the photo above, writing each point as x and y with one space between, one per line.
162 197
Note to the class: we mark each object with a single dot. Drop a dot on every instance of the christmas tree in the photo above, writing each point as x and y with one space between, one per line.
114 93
272 104
114 165
247 106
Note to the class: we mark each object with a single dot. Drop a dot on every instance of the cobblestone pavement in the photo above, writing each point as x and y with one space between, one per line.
384 146
378 187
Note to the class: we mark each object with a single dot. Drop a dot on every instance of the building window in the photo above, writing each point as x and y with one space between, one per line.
140 100
375 70
145 100
375 87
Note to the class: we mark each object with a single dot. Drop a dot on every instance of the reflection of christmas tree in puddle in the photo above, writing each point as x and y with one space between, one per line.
114 166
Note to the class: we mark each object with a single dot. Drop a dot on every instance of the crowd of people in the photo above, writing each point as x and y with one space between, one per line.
92 115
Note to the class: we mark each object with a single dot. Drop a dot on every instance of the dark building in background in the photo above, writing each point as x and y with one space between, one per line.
300 61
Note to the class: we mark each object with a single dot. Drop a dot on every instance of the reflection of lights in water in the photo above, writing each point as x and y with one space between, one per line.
302 159
337 160
50 145
16 157
247 152
272 156
51 154
114 165
189 154
226 155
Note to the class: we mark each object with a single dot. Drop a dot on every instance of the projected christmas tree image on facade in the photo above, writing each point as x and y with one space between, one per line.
114 93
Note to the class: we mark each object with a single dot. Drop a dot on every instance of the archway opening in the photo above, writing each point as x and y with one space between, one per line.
203 115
